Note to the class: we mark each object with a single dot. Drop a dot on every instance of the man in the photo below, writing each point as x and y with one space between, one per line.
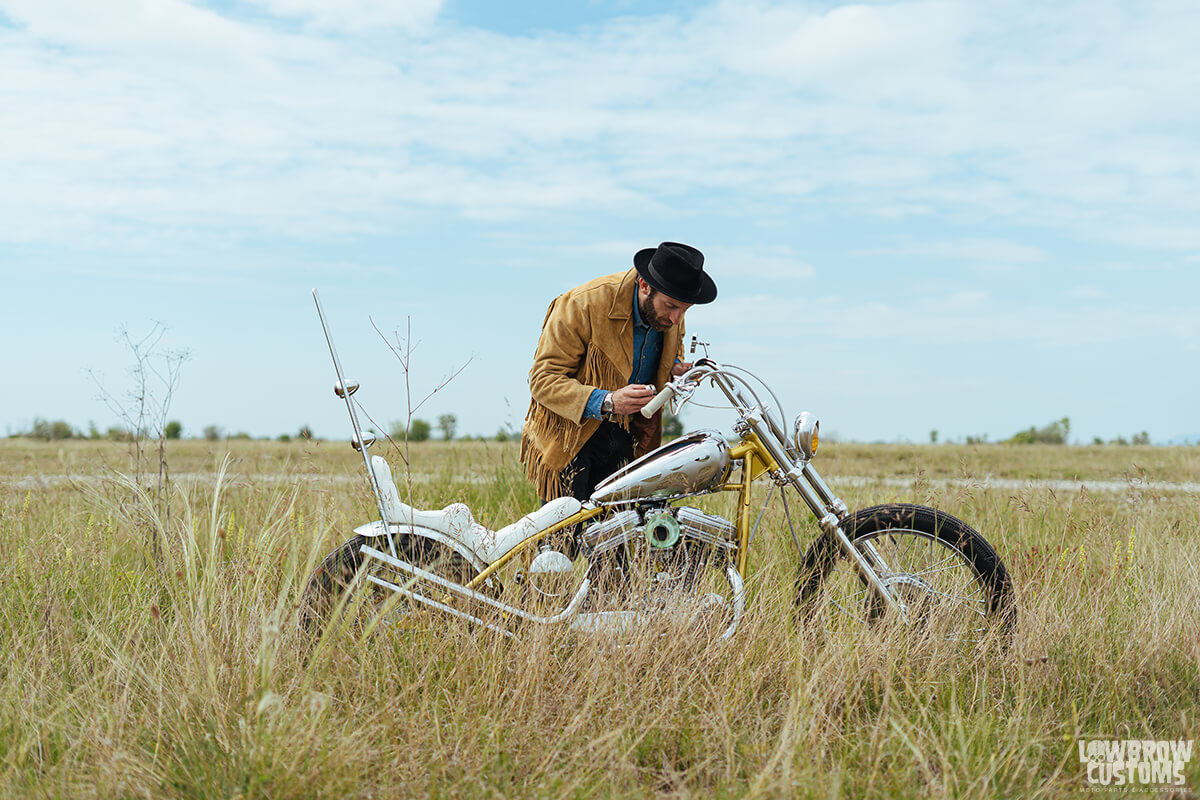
606 348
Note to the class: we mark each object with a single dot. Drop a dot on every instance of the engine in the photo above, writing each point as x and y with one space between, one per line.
658 548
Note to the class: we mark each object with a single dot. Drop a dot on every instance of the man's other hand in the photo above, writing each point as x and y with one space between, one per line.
680 368
630 399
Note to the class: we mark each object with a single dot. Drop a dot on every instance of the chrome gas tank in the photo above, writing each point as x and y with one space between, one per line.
689 465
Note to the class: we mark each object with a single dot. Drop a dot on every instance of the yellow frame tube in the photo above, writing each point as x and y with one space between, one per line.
755 462
744 512
579 516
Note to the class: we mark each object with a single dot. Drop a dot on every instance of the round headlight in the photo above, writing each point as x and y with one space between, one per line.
805 433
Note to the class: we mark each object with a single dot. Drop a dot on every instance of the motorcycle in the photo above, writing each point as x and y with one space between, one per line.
640 549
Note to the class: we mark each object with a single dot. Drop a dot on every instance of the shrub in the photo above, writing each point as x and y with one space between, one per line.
46 430
1054 433
418 431
672 427
118 434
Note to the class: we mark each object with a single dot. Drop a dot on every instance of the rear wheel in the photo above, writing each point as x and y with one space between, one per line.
343 576
945 575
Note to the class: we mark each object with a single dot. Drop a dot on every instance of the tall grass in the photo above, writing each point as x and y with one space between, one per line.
182 674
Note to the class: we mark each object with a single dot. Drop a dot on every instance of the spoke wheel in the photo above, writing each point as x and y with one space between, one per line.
342 581
943 573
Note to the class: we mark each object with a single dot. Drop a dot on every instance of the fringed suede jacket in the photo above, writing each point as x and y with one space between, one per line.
586 344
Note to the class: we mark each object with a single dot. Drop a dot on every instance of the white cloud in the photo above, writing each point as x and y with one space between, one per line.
1087 291
357 15
725 264
961 318
758 262
165 113
170 32
1138 266
854 48
987 250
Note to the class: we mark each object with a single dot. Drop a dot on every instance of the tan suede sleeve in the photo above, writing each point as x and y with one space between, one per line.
558 361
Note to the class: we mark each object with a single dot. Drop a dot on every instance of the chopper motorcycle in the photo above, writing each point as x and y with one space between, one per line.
643 549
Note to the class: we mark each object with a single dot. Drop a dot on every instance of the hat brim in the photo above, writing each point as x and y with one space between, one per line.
706 294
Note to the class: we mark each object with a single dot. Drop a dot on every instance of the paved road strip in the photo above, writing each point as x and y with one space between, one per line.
987 483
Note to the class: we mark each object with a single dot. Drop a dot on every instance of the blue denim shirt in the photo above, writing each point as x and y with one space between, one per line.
647 352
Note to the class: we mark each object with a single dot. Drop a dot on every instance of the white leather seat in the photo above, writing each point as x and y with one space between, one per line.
494 545
451 520
457 521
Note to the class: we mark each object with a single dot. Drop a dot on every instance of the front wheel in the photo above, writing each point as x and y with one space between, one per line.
944 574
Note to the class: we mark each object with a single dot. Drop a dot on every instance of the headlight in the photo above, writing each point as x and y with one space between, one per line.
805 434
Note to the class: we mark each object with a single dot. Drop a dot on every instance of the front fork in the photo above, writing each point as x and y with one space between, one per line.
867 560
827 507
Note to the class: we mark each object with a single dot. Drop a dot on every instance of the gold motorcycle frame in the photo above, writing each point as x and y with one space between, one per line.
865 540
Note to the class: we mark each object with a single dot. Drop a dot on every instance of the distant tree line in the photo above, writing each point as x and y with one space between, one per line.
1137 438
58 430
1056 432
419 430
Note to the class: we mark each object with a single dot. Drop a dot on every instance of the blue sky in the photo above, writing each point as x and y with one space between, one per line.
969 217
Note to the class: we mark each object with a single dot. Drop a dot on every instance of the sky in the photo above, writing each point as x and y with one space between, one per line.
955 216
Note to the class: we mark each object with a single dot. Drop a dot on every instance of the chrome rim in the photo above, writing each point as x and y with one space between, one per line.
941 591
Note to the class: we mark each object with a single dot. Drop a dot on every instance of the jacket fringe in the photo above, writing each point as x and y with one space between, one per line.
599 371
598 316
543 425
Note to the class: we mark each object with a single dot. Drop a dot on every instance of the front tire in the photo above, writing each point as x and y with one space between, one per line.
948 577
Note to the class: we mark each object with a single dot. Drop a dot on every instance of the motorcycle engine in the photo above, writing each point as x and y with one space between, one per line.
657 548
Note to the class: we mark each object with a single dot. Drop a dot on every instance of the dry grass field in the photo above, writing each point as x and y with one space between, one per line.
135 669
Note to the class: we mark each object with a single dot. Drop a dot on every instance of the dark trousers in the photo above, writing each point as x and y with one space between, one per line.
609 449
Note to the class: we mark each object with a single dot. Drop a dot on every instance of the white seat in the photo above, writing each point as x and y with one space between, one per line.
457 521
493 545
452 520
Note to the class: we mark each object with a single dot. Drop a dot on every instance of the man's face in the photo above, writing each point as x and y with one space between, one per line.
659 311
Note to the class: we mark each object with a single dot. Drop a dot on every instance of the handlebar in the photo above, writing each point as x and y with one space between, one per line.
681 385
660 400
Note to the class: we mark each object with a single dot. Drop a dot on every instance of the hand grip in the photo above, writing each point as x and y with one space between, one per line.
658 402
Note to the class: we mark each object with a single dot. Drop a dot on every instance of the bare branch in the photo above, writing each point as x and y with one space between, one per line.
155 375
403 350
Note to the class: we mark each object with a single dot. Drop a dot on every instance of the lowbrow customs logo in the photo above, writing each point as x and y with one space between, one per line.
1135 763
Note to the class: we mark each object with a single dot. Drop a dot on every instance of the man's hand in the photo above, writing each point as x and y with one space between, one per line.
630 399
680 368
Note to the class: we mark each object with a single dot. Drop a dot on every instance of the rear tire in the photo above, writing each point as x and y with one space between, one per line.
945 573
343 571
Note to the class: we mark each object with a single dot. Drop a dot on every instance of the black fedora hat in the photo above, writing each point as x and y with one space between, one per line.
676 270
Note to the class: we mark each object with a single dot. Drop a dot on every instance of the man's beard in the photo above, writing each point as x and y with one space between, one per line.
650 316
